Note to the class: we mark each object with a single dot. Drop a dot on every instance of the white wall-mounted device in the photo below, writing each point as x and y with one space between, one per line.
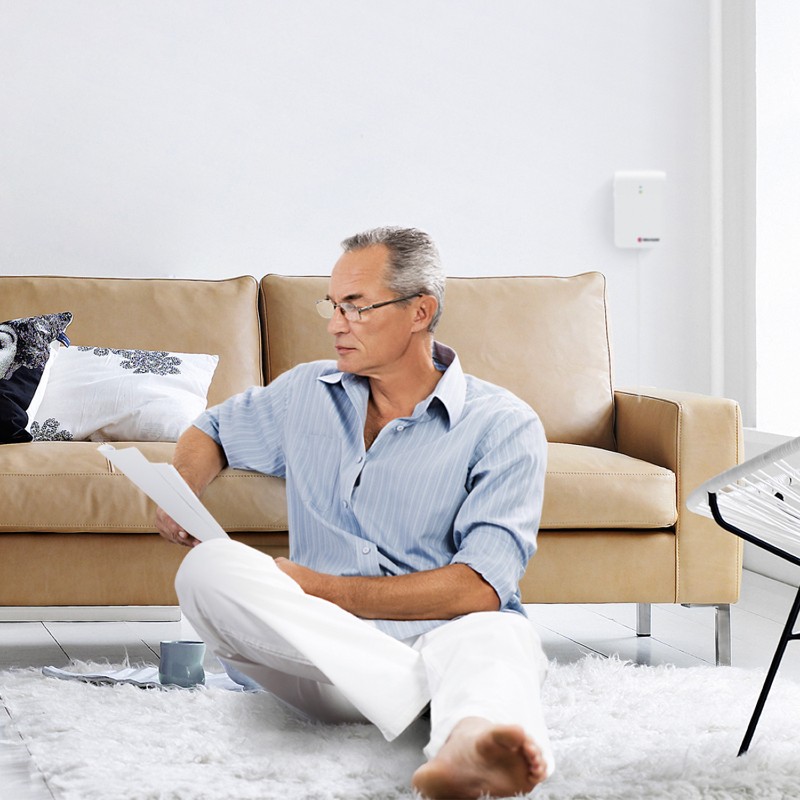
639 208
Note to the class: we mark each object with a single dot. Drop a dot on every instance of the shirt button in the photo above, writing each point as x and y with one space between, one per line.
365 549
345 504
401 427
359 459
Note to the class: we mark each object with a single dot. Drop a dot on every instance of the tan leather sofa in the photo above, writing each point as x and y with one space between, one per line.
621 463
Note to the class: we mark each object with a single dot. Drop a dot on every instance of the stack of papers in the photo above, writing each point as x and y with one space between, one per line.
163 484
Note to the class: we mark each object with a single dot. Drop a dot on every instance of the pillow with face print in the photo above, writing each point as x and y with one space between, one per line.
27 348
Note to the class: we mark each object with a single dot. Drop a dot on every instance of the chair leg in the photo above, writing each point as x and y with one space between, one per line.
643 619
787 636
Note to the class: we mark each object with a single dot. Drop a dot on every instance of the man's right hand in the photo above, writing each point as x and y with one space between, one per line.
198 459
171 531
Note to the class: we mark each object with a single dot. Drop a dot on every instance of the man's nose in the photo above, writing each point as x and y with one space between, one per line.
338 323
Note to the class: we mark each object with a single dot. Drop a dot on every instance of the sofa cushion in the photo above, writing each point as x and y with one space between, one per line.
70 487
180 315
107 395
293 330
544 338
589 488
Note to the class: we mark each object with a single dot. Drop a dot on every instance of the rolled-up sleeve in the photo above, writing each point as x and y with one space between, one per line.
495 530
249 427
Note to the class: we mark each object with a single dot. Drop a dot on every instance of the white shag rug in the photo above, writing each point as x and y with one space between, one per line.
618 731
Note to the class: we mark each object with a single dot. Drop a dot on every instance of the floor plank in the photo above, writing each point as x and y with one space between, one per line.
99 641
19 778
27 644
585 626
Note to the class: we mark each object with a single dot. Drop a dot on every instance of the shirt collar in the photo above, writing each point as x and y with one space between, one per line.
451 391
452 387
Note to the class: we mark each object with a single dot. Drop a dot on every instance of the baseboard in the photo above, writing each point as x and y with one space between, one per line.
90 613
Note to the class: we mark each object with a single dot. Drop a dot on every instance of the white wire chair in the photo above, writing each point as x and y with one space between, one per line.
759 501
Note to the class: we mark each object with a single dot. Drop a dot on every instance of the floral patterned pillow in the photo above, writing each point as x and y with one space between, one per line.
104 394
27 346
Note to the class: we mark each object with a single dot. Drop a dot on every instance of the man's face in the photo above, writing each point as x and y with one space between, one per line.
374 344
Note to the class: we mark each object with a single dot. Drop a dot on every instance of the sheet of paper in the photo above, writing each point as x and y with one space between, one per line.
163 484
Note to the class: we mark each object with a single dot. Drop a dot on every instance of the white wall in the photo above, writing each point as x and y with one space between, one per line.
778 249
210 138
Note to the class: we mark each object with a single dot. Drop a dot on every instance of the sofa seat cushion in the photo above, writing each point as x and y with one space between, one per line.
589 487
67 487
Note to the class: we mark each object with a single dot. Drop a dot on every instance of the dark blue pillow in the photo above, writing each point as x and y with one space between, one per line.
24 351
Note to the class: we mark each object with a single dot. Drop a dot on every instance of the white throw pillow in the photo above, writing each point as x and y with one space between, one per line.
101 394
38 395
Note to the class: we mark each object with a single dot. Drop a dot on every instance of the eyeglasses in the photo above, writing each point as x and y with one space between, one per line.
352 313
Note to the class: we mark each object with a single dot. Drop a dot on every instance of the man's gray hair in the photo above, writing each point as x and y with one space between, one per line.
414 263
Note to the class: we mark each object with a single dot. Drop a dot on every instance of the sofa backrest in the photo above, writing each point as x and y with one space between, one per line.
184 316
544 338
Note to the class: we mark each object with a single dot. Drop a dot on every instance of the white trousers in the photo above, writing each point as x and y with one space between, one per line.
335 667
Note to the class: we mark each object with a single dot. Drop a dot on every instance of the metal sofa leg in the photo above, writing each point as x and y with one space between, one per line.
722 630
643 618
722 634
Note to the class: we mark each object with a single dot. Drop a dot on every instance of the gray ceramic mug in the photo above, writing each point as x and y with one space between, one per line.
182 664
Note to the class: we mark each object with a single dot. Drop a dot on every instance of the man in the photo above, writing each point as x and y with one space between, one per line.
414 496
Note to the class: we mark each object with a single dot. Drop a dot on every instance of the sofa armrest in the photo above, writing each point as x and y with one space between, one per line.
697 437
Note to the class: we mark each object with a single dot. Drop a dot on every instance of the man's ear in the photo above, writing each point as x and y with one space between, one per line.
425 310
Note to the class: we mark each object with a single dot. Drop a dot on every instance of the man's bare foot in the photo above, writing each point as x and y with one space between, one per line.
481 759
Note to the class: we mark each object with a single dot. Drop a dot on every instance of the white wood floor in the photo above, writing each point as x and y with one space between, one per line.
680 636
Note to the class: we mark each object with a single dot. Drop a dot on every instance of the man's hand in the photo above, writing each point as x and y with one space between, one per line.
173 532
198 459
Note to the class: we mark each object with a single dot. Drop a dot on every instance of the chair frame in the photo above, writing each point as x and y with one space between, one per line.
708 493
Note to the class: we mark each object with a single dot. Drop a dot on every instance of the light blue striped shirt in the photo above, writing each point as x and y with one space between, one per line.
461 480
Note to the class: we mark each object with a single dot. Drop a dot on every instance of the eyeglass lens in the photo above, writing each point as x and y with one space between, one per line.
326 309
